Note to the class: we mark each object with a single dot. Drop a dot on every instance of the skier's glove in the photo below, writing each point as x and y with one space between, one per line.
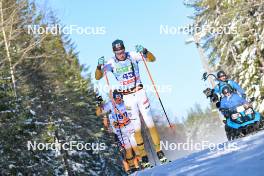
101 62
141 49
99 100
99 67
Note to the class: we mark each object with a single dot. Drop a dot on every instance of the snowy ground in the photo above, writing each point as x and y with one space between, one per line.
241 157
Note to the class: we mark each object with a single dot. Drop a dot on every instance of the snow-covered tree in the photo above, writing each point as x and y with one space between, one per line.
232 33
46 96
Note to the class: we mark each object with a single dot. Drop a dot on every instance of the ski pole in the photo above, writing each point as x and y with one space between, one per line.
153 83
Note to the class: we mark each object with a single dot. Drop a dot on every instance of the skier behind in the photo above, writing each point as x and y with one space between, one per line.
223 81
120 122
124 66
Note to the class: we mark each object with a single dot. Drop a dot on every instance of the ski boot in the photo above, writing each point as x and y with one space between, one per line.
145 162
136 163
132 170
162 157
126 167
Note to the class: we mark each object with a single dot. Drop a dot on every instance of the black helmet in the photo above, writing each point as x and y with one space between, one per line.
118 45
220 74
117 93
226 89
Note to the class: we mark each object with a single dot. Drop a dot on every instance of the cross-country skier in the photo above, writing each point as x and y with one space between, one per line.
120 122
124 66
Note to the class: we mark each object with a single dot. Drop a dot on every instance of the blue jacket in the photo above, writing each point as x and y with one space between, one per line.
218 88
232 102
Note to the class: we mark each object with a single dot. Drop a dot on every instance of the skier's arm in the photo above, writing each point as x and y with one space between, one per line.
103 109
98 73
149 56
99 70
98 111
101 113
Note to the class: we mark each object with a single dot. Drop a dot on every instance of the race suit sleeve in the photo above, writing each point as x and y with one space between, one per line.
149 57
237 87
101 110
98 111
107 106
99 72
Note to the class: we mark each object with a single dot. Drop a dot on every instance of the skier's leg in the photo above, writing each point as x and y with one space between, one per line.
131 104
130 131
144 107
120 142
129 157
126 166
131 135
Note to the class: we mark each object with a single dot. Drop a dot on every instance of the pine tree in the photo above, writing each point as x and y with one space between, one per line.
47 96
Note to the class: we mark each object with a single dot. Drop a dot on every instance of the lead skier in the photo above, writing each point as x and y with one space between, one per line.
124 66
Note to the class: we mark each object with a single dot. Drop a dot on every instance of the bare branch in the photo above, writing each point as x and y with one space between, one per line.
26 50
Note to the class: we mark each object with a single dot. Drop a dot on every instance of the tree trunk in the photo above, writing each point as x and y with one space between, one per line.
7 50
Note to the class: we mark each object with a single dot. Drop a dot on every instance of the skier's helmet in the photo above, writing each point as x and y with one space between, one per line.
117 93
220 74
118 45
226 90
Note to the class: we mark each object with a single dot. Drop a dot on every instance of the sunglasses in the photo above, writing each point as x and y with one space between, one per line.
121 52
225 93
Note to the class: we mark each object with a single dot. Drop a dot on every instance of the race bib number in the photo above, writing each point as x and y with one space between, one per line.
128 75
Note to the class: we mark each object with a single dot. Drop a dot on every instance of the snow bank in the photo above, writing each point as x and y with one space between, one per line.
246 158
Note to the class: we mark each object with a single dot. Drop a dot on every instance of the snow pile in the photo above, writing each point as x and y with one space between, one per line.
245 157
